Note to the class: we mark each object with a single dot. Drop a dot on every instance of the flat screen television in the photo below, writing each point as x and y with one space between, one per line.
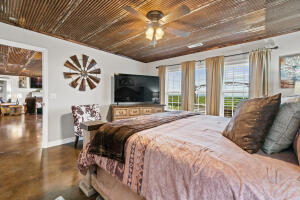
136 88
36 82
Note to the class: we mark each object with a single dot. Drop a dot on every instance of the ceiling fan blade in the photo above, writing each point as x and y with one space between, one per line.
94 78
75 82
175 14
90 83
136 13
76 61
70 74
126 32
84 60
177 32
95 71
92 64
71 66
82 85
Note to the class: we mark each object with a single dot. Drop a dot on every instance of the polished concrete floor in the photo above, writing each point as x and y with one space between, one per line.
29 172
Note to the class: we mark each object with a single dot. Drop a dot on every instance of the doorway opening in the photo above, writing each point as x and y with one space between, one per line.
23 103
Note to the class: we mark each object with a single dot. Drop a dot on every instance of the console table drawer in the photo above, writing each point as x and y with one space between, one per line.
157 110
130 111
147 111
134 111
121 112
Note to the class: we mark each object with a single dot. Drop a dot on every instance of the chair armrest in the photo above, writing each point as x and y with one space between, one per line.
91 125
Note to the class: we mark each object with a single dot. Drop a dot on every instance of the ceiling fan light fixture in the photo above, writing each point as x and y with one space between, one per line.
159 33
149 33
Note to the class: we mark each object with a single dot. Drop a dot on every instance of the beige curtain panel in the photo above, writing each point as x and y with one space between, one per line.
259 62
188 85
162 83
214 79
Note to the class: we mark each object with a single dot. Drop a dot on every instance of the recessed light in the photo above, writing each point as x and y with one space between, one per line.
195 45
12 19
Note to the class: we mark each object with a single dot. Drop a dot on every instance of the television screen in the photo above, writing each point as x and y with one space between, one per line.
136 88
36 82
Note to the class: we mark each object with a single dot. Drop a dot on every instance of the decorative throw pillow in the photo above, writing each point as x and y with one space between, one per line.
284 128
251 122
297 145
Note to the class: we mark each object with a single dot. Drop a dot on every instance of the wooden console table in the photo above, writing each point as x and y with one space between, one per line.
130 111
10 109
16 110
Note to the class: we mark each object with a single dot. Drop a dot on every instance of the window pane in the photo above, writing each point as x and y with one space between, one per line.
236 86
174 89
200 88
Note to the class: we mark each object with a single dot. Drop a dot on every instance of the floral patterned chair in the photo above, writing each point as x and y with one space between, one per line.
83 113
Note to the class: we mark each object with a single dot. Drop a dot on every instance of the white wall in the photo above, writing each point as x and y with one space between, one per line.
61 95
288 44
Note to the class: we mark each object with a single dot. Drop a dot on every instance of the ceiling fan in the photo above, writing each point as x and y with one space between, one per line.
156 20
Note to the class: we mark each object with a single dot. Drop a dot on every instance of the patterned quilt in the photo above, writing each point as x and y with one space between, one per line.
190 159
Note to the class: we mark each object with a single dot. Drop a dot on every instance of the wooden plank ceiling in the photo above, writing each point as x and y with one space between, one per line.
103 24
20 62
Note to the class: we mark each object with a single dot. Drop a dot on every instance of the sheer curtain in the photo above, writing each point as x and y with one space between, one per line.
259 62
214 78
162 83
188 85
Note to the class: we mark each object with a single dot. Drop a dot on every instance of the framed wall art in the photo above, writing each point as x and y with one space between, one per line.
289 70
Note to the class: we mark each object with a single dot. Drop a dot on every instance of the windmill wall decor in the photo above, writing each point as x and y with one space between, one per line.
82 72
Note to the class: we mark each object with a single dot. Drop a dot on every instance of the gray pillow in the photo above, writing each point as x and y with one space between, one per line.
284 128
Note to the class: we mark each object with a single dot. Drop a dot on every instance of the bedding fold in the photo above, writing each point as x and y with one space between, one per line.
110 139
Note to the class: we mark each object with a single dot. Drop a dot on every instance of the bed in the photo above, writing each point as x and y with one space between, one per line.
188 159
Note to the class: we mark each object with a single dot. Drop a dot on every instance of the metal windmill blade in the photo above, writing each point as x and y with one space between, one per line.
82 85
69 65
90 83
92 64
70 74
84 60
76 61
95 71
75 82
94 78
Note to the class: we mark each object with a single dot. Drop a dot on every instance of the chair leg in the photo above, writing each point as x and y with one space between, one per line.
76 141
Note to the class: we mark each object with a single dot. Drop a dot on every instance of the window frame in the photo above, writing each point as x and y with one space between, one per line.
234 62
197 105
173 69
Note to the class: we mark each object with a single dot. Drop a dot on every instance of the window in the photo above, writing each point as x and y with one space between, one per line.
200 88
174 88
236 85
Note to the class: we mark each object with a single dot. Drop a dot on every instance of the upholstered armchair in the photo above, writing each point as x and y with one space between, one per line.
83 113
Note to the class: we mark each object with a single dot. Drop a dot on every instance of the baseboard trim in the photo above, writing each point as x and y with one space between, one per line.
61 142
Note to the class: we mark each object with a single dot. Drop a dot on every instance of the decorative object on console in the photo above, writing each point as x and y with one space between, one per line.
87 72
84 113
22 82
251 122
289 70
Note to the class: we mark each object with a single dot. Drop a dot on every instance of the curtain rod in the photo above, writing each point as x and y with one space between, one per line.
238 54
